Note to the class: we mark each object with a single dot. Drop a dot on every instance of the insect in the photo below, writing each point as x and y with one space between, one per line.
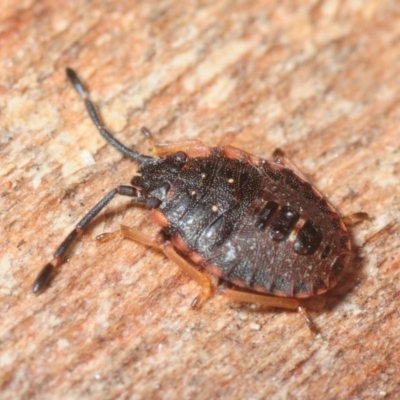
258 225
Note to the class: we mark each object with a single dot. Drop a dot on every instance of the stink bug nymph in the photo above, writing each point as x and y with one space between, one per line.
258 225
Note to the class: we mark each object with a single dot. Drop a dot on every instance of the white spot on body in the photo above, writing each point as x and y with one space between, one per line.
293 235
231 254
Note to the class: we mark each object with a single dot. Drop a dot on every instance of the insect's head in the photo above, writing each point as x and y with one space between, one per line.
156 175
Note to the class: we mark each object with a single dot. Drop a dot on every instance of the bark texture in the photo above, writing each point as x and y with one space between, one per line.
319 79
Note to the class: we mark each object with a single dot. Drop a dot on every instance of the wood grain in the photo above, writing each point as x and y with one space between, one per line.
319 79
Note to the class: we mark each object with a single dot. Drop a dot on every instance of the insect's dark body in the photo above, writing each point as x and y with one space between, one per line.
252 222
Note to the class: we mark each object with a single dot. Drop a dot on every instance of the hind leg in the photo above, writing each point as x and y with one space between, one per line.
269 301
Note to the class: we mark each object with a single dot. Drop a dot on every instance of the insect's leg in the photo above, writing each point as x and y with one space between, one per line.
279 157
158 241
356 218
193 148
265 300
46 273
270 301
203 280
133 234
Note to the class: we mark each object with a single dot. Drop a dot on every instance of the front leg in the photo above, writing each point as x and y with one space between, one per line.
47 272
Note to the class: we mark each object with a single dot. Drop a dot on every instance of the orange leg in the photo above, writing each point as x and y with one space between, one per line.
356 218
193 148
132 234
265 300
158 241
270 301
203 280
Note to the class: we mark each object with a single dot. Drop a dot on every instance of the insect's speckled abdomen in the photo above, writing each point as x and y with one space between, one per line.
256 224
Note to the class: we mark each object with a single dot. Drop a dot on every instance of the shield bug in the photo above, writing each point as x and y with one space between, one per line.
258 225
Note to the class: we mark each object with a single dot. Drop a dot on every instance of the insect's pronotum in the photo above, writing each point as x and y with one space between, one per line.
257 224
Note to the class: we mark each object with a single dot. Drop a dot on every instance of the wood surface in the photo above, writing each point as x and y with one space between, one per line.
319 79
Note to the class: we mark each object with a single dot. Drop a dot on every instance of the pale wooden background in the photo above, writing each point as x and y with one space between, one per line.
320 79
